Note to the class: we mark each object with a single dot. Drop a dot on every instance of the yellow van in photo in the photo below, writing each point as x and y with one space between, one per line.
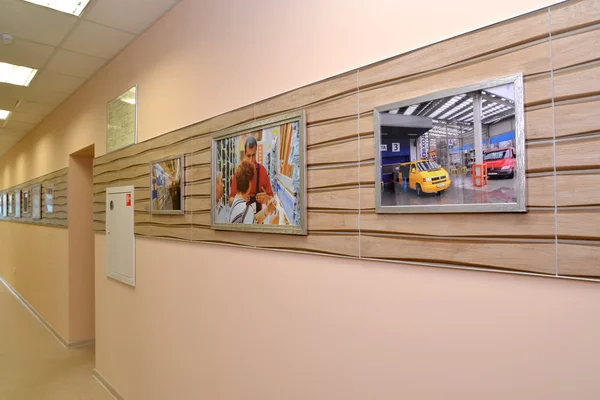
424 176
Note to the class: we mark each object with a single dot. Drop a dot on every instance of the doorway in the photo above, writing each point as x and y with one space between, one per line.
81 247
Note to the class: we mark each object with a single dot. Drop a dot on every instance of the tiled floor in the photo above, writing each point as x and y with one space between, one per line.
35 366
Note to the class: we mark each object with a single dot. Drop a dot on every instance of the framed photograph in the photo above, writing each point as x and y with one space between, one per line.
259 176
121 126
26 203
11 204
459 150
4 205
167 186
17 201
49 199
36 202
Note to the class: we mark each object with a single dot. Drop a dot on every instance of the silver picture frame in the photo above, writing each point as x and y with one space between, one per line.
36 201
135 135
49 205
239 130
520 187
181 159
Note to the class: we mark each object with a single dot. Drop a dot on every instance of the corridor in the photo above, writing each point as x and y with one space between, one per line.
35 366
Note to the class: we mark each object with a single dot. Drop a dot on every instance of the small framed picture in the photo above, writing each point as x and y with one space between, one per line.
17 201
36 202
167 186
11 204
4 205
26 205
49 199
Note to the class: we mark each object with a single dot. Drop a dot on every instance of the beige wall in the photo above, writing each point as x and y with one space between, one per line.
81 249
218 322
228 323
35 262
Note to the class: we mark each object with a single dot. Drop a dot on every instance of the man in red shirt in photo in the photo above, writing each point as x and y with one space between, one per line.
261 191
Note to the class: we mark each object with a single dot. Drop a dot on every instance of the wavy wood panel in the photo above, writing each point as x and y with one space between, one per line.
524 256
579 259
340 154
529 60
59 218
582 153
574 14
579 224
581 189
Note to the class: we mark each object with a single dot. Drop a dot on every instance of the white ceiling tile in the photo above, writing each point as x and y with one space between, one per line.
53 81
10 95
45 97
76 64
16 126
7 103
97 40
39 24
26 53
131 16
30 112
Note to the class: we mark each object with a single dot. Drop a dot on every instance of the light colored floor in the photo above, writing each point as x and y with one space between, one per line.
35 366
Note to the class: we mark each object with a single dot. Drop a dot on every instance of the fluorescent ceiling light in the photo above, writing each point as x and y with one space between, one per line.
74 7
4 114
16 74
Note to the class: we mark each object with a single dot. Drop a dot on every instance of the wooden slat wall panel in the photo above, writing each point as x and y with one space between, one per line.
532 257
59 218
579 259
530 60
573 15
340 175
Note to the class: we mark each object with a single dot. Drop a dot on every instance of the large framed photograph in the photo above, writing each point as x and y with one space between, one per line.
167 186
259 176
36 201
459 150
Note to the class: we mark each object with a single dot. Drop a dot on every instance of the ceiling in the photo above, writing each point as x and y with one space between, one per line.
67 50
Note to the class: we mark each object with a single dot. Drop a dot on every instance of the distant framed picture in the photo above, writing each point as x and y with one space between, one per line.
1 205
49 199
36 202
167 185
4 205
26 202
17 201
258 176
11 204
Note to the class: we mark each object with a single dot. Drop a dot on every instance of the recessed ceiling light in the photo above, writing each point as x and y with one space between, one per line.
16 74
74 7
4 114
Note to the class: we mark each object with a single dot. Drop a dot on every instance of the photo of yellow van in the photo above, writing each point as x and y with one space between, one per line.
423 176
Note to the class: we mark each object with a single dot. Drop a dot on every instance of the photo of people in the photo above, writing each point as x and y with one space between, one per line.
460 151
167 186
258 178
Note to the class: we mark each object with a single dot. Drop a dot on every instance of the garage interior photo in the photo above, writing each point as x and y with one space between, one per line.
459 149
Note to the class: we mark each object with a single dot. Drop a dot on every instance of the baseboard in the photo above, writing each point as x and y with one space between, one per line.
109 388
40 318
